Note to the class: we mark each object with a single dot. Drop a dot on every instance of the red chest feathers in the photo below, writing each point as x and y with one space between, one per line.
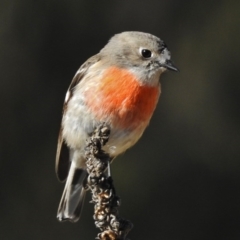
121 99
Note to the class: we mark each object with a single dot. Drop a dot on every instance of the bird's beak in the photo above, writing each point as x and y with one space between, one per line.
170 66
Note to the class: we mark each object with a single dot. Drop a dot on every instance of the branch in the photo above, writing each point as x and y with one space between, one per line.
106 202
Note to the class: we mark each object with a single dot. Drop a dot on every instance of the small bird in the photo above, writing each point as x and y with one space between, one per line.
119 86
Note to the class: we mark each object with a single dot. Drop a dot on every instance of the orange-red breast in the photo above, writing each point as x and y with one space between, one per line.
119 86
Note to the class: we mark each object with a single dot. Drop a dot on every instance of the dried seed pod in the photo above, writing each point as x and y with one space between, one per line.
104 197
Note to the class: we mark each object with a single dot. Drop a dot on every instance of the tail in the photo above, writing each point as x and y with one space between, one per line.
73 195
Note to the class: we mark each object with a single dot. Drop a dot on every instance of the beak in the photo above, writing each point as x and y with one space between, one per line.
170 66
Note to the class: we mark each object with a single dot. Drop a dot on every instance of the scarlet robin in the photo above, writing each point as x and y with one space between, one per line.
119 86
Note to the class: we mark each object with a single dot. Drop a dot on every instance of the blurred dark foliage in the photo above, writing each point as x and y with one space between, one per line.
181 181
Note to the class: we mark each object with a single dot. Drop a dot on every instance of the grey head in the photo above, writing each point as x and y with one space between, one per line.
139 51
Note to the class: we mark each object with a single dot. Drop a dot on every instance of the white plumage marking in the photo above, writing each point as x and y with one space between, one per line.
67 96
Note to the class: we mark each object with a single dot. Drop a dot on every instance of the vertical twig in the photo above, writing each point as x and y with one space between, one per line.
106 202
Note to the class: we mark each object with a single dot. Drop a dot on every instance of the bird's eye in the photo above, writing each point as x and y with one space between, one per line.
146 53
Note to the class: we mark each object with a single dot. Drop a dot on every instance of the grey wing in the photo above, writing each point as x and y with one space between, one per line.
62 159
63 155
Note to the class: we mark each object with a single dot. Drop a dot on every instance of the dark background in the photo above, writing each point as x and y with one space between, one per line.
181 181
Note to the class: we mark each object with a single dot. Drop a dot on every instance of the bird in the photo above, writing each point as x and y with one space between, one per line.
119 86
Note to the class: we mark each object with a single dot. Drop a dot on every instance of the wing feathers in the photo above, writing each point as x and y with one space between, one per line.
62 156
62 159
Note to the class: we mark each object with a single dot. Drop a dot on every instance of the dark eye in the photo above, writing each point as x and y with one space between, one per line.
146 53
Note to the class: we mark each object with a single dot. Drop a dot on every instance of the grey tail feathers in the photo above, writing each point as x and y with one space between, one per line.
73 195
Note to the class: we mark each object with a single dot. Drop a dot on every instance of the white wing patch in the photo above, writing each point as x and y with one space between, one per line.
79 71
67 96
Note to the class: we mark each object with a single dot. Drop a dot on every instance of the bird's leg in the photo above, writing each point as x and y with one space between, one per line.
109 168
